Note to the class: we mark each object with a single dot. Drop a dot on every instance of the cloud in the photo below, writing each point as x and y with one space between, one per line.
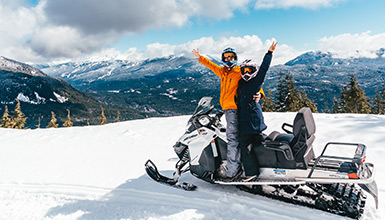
353 45
310 4
247 47
129 16
57 29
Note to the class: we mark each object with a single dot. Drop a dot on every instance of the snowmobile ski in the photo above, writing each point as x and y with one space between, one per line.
153 172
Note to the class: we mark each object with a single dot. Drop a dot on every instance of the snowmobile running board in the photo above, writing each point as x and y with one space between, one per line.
262 182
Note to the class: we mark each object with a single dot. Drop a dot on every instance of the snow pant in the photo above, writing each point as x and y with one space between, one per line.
247 144
233 152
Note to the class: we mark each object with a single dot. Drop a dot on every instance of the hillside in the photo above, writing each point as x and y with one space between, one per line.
172 85
40 94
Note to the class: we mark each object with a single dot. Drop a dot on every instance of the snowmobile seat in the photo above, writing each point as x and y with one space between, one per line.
302 144
292 149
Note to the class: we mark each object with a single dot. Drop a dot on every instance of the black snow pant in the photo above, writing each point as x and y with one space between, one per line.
247 144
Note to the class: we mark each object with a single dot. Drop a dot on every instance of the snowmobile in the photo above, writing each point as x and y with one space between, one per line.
289 169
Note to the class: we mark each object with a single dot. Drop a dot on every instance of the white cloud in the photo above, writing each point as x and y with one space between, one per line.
353 45
311 4
247 47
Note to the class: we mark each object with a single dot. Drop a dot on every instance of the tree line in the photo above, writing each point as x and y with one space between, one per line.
17 119
288 98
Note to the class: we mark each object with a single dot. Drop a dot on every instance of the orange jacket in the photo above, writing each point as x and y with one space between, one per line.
229 82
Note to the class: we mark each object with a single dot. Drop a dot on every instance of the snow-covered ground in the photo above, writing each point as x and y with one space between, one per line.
97 172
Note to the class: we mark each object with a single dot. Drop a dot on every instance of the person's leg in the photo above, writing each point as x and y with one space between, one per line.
256 142
247 157
233 152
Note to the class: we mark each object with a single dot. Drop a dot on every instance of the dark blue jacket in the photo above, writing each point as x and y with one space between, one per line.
250 113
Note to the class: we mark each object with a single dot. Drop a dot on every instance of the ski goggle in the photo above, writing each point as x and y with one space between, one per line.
248 70
229 56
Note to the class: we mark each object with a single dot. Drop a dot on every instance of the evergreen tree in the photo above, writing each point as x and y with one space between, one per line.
39 122
379 102
283 93
68 122
117 117
18 117
354 99
326 108
6 120
268 102
304 101
102 118
336 105
52 123
289 98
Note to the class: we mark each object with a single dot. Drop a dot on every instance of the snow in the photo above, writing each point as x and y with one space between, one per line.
59 98
97 172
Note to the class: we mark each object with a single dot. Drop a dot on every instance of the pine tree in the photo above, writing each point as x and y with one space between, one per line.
102 118
354 99
18 117
39 122
283 93
117 117
379 102
52 123
289 98
68 122
337 105
6 120
268 102
326 108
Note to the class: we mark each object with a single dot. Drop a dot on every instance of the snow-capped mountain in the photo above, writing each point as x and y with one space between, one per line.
163 85
40 94
327 59
14 66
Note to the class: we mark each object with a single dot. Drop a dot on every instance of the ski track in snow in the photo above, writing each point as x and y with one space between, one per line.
97 172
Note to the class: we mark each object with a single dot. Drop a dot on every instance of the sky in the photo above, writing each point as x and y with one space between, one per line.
38 31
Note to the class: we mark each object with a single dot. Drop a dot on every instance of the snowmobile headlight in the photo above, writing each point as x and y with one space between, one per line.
204 120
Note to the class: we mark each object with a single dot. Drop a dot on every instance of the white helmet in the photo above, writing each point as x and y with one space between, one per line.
249 69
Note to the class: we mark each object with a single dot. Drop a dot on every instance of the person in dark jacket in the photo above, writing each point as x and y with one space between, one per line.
251 122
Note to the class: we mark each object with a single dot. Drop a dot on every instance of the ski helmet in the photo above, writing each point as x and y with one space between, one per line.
229 63
249 69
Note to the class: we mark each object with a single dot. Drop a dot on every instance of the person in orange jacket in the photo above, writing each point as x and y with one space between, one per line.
230 74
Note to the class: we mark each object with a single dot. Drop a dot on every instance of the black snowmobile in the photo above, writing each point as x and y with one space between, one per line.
289 169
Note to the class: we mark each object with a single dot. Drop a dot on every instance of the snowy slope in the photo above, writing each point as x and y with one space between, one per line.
97 172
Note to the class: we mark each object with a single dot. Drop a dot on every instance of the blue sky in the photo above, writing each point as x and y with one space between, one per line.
55 30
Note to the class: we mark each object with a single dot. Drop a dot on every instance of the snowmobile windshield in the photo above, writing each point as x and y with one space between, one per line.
204 106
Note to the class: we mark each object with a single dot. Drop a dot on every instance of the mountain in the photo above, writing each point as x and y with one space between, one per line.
172 85
327 59
40 94
165 86
97 172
